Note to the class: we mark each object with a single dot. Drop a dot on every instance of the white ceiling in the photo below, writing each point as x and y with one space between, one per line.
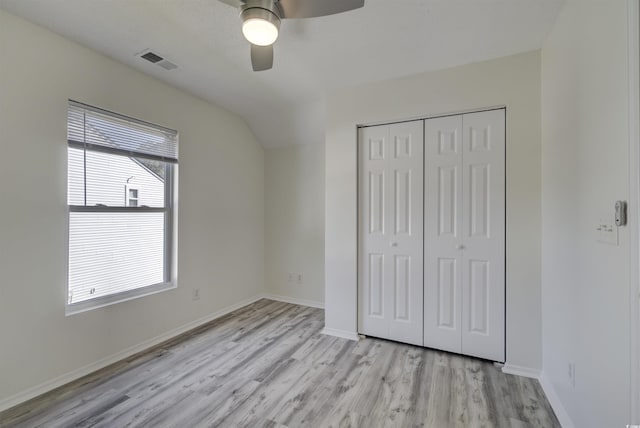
285 105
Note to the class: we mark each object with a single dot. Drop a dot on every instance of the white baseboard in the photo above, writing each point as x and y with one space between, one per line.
351 335
555 402
548 389
49 385
294 300
521 371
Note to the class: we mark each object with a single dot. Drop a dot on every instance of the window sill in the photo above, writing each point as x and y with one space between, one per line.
101 302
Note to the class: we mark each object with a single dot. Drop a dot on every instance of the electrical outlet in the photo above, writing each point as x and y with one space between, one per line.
571 374
195 294
299 278
290 277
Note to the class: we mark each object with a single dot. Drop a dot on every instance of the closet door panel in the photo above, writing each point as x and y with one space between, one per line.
443 233
373 231
391 231
483 230
405 247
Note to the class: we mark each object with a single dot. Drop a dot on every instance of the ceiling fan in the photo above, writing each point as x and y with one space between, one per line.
261 21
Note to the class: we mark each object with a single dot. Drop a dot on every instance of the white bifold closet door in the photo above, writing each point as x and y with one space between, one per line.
390 253
464 263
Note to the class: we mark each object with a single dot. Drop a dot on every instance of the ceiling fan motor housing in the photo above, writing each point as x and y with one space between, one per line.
261 9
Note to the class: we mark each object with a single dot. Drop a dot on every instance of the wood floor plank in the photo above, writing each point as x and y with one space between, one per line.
480 408
400 408
268 365
320 390
340 391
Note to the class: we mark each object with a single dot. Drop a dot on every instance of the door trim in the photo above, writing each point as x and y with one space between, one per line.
633 45
434 116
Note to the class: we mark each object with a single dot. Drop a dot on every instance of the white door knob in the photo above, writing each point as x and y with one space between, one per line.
394 244
459 247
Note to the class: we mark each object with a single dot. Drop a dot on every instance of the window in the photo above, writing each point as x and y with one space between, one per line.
119 248
131 196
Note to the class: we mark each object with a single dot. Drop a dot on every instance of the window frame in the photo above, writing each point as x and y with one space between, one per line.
170 233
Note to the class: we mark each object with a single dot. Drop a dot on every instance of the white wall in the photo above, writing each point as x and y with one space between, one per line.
512 81
294 222
585 284
221 207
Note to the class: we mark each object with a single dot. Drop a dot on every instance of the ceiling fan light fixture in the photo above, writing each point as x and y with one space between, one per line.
260 26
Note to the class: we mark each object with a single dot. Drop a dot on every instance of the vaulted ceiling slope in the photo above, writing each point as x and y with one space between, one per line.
386 39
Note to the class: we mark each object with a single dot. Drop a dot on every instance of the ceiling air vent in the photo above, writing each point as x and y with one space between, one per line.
151 57
156 59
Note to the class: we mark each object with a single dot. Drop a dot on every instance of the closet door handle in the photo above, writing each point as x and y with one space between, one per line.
394 244
459 247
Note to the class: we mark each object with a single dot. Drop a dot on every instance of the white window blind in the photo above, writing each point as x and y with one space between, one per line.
120 192
101 130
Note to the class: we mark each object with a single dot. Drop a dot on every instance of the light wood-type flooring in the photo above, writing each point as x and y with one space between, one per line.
268 365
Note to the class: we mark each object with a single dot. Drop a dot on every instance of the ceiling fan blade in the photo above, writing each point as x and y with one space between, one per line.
234 3
261 57
313 8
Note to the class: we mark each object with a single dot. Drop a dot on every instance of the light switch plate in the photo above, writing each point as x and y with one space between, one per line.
607 231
